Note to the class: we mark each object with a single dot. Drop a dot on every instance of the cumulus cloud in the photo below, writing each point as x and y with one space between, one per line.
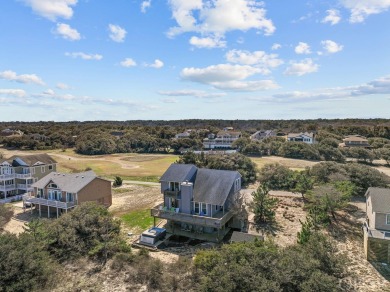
207 42
333 17
62 86
23 78
52 9
194 93
301 68
361 9
228 77
84 56
378 86
13 92
260 59
302 48
276 46
157 64
145 5
117 33
66 32
331 47
128 62
217 17
170 100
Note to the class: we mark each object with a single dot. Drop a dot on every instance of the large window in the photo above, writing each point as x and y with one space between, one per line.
196 208
388 219
174 186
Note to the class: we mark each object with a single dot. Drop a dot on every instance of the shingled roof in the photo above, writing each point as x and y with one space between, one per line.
380 198
67 182
178 172
213 186
30 160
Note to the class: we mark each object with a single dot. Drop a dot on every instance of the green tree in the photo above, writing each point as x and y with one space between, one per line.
329 199
117 181
263 205
276 176
304 183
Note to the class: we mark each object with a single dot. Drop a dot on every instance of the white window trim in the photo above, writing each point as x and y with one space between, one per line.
43 169
387 219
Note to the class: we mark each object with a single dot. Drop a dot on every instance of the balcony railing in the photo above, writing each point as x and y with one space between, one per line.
11 199
7 176
23 175
50 203
176 193
7 187
219 222
24 186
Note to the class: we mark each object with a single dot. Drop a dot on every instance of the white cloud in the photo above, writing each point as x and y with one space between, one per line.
260 59
217 17
84 56
128 62
228 77
66 32
157 64
52 9
380 86
301 68
361 9
207 42
331 47
194 93
276 46
62 86
145 5
170 100
333 17
23 78
13 92
117 33
302 48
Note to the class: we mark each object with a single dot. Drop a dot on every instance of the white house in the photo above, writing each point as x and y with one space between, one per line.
306 137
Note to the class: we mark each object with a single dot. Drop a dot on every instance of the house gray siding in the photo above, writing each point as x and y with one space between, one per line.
186 197
164 186
380 222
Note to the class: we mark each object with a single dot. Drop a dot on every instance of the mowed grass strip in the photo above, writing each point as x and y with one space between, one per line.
138 220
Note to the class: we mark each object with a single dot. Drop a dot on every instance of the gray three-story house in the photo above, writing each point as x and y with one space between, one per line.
198 202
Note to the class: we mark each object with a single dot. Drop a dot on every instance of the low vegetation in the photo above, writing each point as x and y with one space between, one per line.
6 213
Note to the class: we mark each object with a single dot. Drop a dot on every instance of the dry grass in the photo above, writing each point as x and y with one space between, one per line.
295 164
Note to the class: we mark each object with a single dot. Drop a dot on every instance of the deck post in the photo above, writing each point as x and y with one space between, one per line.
40 213
57 212
154 221
48 211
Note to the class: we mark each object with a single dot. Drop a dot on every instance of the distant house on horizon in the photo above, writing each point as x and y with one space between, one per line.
352 141
10 132
305 137
262 134
223 140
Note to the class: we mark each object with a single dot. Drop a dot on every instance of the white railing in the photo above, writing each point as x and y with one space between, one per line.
7 187
24 186
7 176
11 199
50 203
23 175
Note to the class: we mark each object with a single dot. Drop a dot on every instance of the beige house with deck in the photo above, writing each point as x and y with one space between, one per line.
59 192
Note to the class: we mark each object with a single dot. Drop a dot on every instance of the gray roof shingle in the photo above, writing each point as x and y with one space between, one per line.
213 186
380 198
30 160
68 182
178 172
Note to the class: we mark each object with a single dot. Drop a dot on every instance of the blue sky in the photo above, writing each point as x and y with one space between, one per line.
64 60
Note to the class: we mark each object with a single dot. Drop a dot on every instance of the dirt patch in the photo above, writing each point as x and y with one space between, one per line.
142 158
